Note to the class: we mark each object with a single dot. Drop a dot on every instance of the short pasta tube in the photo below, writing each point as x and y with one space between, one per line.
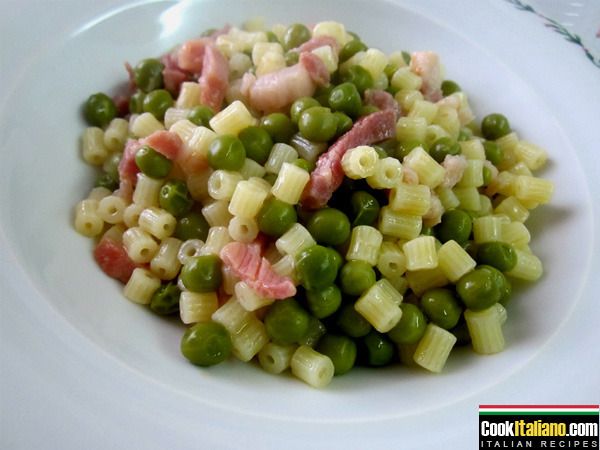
141 286
145 124
93 150
420 253
139 244
391 262
360 162
421 281
380 305
233 119
88 221
399 224
218 237
485 329
434 348
533 190
249 298
247 199
528 267
112 209
280 153
290 183
197 306
217 213
454 260
365 242
165 263
294 240
413 199
243 229
146 190
189 249
222 183
116 134
429 171
275 358
312 367
388 174
157 222
532 155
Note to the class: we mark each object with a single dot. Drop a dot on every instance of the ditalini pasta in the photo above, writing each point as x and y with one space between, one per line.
302 199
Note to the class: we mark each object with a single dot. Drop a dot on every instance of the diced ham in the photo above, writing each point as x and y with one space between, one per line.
409 176
320 41
128 169
382 100
434 215
166 142
277 90
214 79
173 74
328 173
426 64
246 261
455 165
113 259
191 55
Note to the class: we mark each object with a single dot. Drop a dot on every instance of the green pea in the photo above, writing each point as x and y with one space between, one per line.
324 302
304 164
322 94
337 258
461 331
449 87
356 277
271 37
352 322
99 110
428 231
465 134
316 267
405 147
315 331
286 321
345 98
147 74
357 75
157 102
442 147
487 175
276 217
501 280
152 163
191 225
365 208
226 152
257 142
317 124
206 344
497 254
365 110
136 102
411 326
406 57
165 300
351 49
174 197
494 126
201 115
301 105
291 58
329 226
340 349
111 164
493 152
294 36
202 273
478 289
344 123
279 126
441 307
456 225
375 349
107 180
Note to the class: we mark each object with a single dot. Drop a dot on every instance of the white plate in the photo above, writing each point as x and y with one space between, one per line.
83 368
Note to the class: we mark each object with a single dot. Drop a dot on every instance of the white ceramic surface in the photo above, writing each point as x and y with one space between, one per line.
84 368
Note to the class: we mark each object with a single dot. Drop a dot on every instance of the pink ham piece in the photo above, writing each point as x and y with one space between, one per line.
382 100
320 41
113 259
455 166
128 169
214 79
173 74
427 66
246 261
328 173
277 90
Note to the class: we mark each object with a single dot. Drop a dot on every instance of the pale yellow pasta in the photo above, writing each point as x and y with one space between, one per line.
280 154
165 263
139 244
312 367
396 60
407 97
360 162
233 119
399 224
98 193
488 228
145 124
533 189
197 184
405 79
399 283
217 213
146 190
285 267
508 143
454 261
222 183
197 307
157 222
271 61
189 95
374 61
502 184
237 40
328 56
516 234
429 171
262 48
198 143
413 199
116 134
294 240
511 207
218 237
243 229
425 109
528 267
93 150
472 174
447 118
520 168
434 348
275 358
391 262
485 329
249 298
189 249
239 64
88 221
380 305
183 128
421 281
332 28
411 129
306 149
141 286
532 155
365 242
247 198
472 149
112 208
447 197
251 168
468 197
388 174
290 183
174 115
131 215
434 132
420 253
485 206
